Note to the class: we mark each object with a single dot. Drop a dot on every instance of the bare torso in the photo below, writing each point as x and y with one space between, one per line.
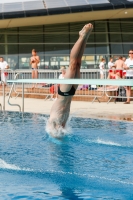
34 61
119 64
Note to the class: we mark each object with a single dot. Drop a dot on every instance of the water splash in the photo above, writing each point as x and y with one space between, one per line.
5 165
59 132
109 143
99 141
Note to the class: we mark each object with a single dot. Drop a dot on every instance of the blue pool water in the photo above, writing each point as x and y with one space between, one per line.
94 161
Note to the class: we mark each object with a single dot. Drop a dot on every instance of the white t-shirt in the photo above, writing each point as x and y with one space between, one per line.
61 77
128 63
101 66
110 64
3 66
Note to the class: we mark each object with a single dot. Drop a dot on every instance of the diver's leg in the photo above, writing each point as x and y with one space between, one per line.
75 57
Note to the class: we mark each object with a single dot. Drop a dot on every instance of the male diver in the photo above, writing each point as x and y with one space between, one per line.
61 108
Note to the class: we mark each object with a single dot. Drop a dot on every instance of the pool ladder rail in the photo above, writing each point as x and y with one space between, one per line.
3 89
10 92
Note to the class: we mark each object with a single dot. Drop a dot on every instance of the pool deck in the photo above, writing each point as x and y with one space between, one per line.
118 111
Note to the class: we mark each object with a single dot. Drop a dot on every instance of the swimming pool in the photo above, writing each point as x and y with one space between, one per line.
94 161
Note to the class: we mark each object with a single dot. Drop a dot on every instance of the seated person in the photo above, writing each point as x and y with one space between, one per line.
63 72
54 88
112 75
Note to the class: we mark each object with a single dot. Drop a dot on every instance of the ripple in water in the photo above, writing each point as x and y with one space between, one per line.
93 161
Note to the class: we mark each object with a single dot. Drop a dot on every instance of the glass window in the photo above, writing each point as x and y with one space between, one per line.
115 37
57 28
74 37
91 38
31 38
127 47
56 37
27 48
102 48
100 26
101 38
90 49
116 49
12 60
88 62
127 37
12 38
31 29
114 26
2 38
2 49
12 49
24 61
57 49
127 27
12 30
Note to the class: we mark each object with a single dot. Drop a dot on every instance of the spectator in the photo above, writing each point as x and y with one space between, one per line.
54 88
3 67
119 66
124 59
63 70
113 74
129 74
101 66
124 71
110 63
34 61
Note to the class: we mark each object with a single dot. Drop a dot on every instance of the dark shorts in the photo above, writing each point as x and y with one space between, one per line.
129 77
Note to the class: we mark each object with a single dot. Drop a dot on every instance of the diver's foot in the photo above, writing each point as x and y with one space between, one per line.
86 31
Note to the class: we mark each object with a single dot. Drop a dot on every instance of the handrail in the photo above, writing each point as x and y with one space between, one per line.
3 96
11 92
3 89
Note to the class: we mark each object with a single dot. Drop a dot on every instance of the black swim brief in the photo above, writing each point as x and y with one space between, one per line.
71 92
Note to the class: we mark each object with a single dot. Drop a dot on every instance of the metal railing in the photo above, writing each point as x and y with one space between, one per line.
46 91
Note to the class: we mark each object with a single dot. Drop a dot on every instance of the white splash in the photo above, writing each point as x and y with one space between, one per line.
99 141
57 132
5 165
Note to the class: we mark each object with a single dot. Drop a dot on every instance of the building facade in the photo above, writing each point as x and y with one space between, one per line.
111 37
